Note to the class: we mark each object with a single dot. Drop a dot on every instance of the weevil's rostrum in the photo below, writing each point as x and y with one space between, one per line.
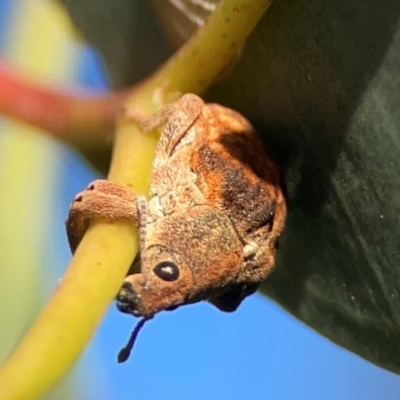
215 214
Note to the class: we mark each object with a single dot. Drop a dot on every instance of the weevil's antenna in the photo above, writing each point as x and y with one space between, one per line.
125 352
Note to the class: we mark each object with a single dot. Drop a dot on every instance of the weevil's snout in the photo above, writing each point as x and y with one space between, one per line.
128 301
147 301
163 286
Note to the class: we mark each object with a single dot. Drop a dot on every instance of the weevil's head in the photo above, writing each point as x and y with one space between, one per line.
189 256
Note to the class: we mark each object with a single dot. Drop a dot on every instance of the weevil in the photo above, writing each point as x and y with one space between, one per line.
216 210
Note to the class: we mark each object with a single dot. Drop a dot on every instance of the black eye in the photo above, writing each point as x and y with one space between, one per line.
167 271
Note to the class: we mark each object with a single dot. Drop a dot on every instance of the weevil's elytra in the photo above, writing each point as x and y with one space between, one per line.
216 211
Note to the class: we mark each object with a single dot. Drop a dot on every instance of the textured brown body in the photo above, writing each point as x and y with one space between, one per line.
215 213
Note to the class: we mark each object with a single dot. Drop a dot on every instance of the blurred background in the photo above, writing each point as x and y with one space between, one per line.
193 353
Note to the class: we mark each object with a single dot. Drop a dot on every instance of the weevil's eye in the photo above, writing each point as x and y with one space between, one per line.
167 271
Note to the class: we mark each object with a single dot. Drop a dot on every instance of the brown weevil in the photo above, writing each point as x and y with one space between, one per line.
210 228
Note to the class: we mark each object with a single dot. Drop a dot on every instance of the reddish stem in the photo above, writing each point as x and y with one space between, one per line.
83 121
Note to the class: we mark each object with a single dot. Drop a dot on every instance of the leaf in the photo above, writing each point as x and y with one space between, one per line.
321 82
124 32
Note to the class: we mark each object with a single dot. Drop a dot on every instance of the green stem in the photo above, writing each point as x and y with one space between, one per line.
98 267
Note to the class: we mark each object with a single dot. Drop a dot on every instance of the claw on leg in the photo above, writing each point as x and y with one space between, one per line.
101 199
147 123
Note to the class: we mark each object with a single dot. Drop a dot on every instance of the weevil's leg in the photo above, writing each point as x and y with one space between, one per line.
187 109
179 117
142 222
101 199
146 122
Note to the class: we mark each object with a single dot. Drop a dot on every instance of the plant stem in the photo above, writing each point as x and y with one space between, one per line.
81 121
100 263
